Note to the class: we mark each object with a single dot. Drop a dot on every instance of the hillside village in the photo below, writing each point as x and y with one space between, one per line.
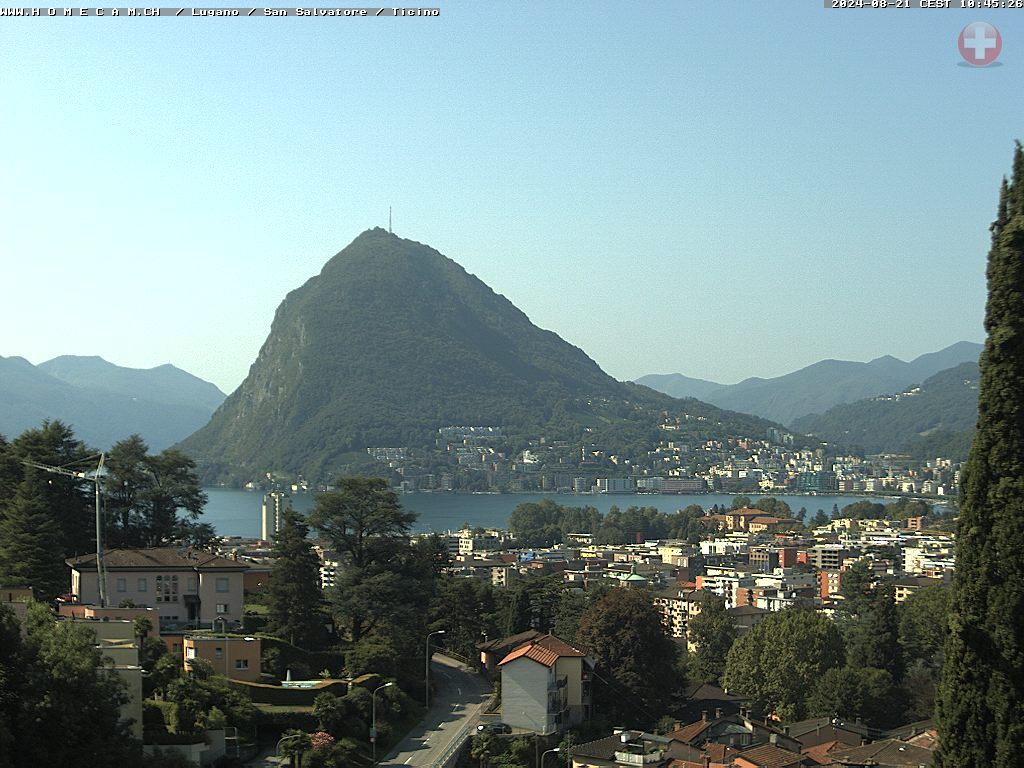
482 458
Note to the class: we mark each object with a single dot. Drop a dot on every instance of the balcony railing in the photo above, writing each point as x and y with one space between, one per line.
558 683
630 758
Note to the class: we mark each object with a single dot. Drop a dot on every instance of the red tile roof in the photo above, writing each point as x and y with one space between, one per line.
545 650
771 756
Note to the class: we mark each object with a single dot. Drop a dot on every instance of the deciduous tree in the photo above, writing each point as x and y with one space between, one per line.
713 632
776 664
624 633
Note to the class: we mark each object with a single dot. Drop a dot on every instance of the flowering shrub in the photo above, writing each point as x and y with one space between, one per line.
321 739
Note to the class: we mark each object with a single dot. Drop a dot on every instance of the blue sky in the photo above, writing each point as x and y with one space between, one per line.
718 189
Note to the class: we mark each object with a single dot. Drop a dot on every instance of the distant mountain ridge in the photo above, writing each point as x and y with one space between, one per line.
932 419
104 402
817 387
392 341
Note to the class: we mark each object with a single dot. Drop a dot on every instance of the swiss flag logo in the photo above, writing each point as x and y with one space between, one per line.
980 43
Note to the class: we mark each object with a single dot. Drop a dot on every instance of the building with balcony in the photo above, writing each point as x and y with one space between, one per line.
545 685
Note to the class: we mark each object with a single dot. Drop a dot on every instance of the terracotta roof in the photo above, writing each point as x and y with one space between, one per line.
156 557
891 753
689 733
771 756
545 650
819 753
719 753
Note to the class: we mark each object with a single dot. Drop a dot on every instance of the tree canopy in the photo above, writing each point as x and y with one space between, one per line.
624 633
778 662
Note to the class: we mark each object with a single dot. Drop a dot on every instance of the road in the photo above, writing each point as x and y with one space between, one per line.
459 697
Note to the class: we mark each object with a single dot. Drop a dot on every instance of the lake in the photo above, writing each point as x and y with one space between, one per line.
237 513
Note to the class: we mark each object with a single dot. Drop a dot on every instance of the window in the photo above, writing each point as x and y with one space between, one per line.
167 589
218 653
142 584
122 585
241 663
192 584
223 584
190 652
222 608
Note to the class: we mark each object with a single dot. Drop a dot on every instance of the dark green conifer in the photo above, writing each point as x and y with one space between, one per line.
981 699
31 544
293 589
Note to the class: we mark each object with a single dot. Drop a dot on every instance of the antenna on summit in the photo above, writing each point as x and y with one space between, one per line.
389 220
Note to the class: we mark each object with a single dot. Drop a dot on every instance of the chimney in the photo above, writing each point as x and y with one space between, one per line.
703 715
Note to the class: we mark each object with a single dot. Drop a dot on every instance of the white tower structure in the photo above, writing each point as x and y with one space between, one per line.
274 505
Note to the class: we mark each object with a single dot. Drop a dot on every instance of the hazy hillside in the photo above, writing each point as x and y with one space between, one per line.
820 386
104 402
677 385
393 340
932 419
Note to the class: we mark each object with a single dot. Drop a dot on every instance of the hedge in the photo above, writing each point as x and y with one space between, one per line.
261 693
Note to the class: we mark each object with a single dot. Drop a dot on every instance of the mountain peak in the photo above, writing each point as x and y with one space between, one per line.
389 343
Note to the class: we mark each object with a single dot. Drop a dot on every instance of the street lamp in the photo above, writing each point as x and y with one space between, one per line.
545 753
373 728
426 675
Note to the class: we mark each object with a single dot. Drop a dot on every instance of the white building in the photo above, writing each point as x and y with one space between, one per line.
274 505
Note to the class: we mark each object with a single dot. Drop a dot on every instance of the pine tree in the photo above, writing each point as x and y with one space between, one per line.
31 544
982 693
293 589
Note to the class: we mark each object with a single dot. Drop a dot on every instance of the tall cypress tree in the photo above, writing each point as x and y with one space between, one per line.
981 699
293 589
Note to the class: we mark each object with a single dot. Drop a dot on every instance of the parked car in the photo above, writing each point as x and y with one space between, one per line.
494 728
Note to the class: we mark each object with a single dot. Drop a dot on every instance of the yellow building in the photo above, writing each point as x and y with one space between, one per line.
234 656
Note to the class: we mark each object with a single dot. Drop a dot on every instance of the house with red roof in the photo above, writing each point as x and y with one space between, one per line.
545 685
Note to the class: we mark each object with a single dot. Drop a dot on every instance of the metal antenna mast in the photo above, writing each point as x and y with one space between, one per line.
94 478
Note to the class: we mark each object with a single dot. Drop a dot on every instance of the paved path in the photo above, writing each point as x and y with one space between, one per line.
460 695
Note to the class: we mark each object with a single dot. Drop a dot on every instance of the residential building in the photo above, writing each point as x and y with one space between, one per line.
545 685
188 587
17 600
115 639
632 749
274 505
493 651
233 656
79 611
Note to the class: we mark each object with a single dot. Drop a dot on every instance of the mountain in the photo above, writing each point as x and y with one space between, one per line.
392 341
164 384
820 386
933 419
104 402
677 385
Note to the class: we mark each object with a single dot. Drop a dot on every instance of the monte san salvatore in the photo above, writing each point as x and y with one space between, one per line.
393 341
